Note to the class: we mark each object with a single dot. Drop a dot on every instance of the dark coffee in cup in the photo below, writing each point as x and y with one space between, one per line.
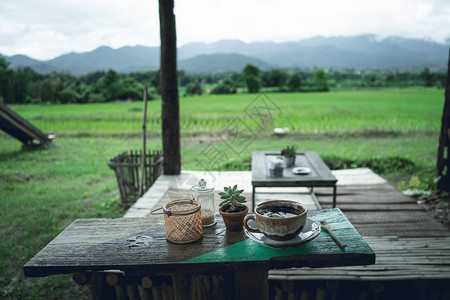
279 212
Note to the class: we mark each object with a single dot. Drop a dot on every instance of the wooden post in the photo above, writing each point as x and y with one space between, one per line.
444 142
144 127
169 89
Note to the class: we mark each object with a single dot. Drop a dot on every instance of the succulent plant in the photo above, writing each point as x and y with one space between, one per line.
232 199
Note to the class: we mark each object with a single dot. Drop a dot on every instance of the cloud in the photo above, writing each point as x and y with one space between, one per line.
252 20
47 28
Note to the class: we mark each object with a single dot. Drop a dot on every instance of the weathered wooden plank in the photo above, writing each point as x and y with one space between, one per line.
388 217
397 259
359 176
377 193
325 274
405 230
364 270
376 207
347 277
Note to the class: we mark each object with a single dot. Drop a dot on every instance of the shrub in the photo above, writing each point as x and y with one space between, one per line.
193 88
226 87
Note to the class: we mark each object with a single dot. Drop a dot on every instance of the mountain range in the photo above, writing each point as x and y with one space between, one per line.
358 52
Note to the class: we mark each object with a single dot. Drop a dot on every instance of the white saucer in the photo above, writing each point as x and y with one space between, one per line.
301 171
310 232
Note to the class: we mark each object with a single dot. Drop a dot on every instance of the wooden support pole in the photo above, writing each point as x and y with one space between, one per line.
201 286
181 286
167 291
156 292
145 294
223 286
443 161
99 287
132 292
144 142
169 89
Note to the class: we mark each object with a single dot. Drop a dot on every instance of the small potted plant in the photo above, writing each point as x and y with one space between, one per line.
232 208
288 155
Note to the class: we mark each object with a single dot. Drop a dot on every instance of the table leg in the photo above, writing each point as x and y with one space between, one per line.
334 196
316 201
253 198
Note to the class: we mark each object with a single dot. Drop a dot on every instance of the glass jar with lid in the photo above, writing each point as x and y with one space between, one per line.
204 194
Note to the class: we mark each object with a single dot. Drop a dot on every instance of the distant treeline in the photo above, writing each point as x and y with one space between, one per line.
26 86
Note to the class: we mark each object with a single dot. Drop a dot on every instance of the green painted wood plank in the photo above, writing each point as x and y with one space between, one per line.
323 245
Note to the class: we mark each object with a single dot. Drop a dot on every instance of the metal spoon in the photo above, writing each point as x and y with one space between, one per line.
328 228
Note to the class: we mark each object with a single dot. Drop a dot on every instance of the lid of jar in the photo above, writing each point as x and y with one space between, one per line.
202 187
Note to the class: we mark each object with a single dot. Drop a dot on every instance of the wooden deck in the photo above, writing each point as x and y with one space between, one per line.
412 249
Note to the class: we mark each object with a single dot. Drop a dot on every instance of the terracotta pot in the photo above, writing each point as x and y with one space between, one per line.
234 220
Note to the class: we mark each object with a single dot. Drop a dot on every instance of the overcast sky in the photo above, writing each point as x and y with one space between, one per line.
44 29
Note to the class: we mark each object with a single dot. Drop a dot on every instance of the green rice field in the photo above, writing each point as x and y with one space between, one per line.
336 112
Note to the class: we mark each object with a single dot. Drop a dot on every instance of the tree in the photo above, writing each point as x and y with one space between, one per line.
184 79
274 77
129 89
321 79
155 82
294 83
193 88
47 90
22 80
226 87
111 77
426 76
251 77
92 77
113 87
5 81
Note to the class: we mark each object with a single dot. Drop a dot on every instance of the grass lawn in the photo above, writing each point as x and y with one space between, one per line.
395 132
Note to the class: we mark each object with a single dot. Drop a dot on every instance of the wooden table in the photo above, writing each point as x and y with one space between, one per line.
95 245
320 175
